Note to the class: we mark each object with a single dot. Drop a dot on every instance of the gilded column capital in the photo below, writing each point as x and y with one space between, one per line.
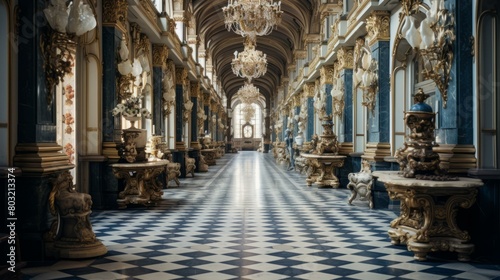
309 89
206 98
195 89
296 100
378 26
115 14
326 74
160 55
345 56
181 75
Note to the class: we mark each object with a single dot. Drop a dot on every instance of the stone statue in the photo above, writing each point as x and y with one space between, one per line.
361 184
71 233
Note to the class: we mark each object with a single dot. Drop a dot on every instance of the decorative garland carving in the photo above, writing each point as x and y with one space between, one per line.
57 51
168 88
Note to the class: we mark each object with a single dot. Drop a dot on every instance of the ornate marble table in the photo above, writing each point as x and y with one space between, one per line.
210 155
142 185
427 221
321 169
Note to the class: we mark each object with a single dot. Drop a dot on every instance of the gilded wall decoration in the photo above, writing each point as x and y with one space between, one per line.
160 55
326 73
345 57
378 26
115 13
168 88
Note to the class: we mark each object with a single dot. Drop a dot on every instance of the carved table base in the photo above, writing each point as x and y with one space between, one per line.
210 155
427 221
321 170
141 183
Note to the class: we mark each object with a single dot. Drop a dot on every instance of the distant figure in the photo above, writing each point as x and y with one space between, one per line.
289 149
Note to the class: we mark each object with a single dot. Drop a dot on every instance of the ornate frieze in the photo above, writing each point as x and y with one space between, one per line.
345 56
115 13
160 55
378 26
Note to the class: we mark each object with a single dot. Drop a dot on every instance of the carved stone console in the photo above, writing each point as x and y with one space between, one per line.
142 185
429 210
209 155
322 169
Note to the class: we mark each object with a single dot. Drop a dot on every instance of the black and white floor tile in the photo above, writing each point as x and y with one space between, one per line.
248 218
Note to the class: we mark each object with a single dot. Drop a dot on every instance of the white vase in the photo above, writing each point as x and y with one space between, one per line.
132 120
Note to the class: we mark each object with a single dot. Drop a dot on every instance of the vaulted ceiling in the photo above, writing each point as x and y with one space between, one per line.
298 19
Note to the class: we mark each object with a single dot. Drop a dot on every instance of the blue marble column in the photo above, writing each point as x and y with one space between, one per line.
310 119
329 104
37 117
347 117
179 107
111 39
158 119
456 120
379 119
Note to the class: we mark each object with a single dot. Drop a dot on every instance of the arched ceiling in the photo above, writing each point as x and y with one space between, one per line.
220 44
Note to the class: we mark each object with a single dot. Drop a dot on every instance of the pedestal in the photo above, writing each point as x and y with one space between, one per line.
325 166
141 183
429 210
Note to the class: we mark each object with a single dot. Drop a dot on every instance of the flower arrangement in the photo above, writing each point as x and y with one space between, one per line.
131 107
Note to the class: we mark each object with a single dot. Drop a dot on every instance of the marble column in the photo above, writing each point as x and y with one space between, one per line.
160 56
347 116
378 132
456 123
37 154
345 65
106 188
180 147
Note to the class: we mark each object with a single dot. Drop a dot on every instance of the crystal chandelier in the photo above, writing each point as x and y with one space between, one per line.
248 112
252 18
248 93
250 63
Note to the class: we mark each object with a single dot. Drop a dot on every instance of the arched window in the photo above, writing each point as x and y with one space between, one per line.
488 81
239 121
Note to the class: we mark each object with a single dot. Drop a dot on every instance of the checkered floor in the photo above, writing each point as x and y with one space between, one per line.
248 218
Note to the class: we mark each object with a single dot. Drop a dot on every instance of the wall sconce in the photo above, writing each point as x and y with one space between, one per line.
432 41
58 42
365 73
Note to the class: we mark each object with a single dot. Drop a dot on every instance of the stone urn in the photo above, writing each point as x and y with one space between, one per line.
416 157
327 143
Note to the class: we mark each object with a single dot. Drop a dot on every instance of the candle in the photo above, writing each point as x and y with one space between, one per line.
153 129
